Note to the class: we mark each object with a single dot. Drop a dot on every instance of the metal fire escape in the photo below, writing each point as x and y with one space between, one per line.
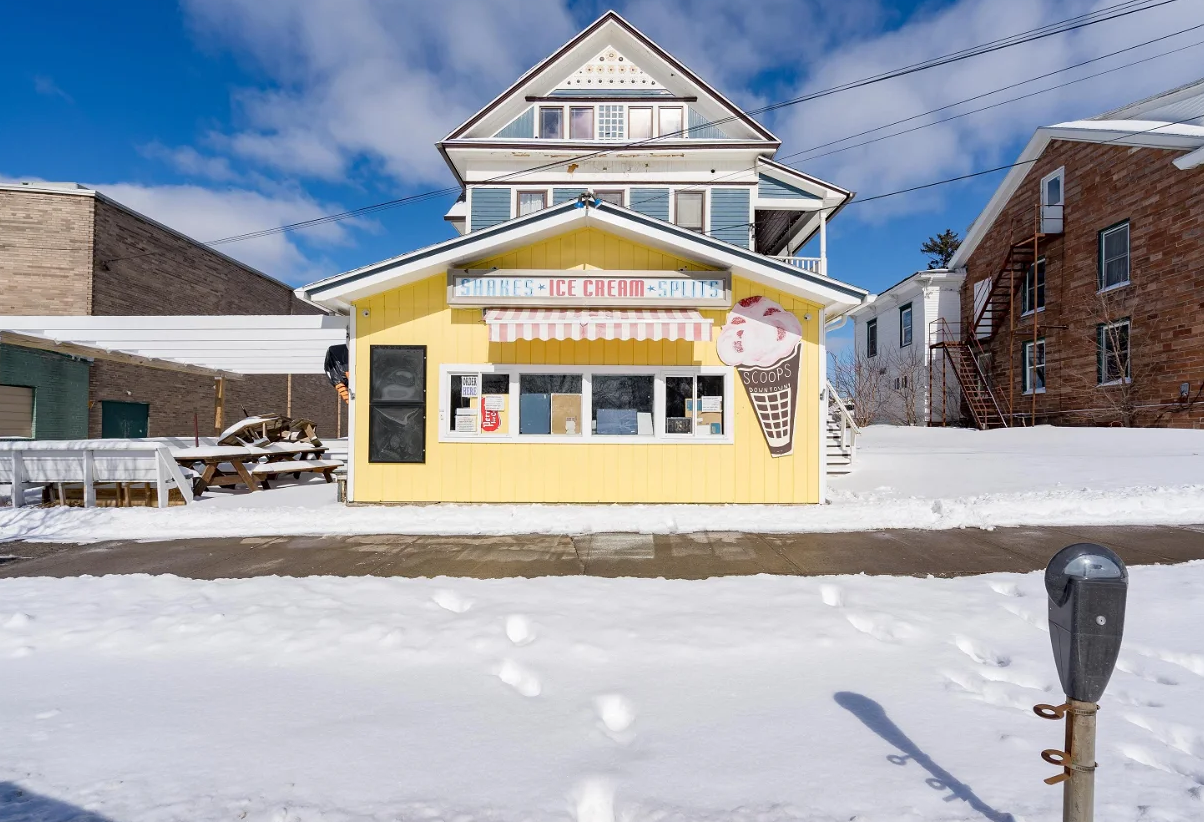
965 350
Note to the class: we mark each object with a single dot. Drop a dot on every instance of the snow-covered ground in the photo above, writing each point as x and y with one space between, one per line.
904 478
754 698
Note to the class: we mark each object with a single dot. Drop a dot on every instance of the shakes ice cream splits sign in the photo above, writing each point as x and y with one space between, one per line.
764 343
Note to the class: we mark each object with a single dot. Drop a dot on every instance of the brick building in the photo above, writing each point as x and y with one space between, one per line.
69 250
1083 302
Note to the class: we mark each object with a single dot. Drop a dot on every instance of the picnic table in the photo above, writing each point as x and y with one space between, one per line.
233 465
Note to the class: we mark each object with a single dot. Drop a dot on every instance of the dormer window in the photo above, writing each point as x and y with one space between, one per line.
671 122
581 123
639 122
551 123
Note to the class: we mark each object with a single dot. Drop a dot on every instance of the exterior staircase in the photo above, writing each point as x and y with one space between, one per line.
975 389
841 436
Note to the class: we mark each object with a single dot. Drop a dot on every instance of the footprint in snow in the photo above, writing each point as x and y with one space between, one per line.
53 712
980 653
451 601
519 630
519 678
617 715
832 595
594 801
1007 589
18 620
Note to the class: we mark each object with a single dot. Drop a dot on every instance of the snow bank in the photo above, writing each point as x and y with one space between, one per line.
751 698
905 478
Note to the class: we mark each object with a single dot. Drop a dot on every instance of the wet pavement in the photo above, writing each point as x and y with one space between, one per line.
675 556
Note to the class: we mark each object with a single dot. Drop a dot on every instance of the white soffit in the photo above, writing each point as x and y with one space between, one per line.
239 344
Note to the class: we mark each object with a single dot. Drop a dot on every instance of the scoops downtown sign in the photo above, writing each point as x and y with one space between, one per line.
588 288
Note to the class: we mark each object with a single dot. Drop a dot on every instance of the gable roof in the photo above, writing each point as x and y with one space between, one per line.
340 291
610 31
1123 132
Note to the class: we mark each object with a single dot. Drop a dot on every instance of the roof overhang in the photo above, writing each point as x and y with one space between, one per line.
609 29
826 199
909 287
213 346
1138 133
341 291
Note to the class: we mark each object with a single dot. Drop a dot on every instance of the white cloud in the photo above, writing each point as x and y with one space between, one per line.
187 160
370 79
48 88
208 214
981 140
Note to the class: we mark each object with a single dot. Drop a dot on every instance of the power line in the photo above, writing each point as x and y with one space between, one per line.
1069 24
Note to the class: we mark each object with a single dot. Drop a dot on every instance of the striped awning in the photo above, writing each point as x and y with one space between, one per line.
510 324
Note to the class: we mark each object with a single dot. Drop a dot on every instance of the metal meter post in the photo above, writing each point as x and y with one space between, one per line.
1087 585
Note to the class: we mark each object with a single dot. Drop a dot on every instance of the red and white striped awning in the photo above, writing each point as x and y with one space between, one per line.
510 324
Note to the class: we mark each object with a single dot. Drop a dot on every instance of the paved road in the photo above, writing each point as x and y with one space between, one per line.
684 556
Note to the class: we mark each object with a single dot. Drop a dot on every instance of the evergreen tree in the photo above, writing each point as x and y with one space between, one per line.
940 249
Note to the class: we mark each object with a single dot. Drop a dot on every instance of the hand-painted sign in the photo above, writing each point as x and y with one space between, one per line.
588 288
764 342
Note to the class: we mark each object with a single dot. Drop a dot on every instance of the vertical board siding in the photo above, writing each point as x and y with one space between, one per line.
521 126
585 472
731 215
770 189
488 206
700 128
563 195
651 202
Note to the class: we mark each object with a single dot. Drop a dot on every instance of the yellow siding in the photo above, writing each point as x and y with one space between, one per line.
477 471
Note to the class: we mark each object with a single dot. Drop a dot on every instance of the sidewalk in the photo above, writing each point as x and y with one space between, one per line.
958 552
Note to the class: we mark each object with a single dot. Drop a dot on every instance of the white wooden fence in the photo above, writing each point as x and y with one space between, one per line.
40 462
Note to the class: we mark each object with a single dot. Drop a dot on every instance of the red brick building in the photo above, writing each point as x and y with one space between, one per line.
69 250
1083 302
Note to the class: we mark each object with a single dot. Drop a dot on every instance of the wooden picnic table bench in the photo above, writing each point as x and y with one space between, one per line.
269 470
233 465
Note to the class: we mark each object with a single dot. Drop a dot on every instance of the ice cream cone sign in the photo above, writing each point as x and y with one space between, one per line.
764 342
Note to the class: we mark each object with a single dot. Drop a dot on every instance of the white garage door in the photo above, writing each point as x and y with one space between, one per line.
16 411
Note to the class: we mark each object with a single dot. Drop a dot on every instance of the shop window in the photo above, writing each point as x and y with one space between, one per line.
615 197
531 201
397 403
639 122
610 122
1032 298
1112 343
694 405
479 404
670 122
581 123
551 123
1114 256
871 338
690 210
622 405
1033 376
905 325
549 404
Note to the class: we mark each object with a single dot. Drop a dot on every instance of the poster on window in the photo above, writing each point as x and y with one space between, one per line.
764 342
470 385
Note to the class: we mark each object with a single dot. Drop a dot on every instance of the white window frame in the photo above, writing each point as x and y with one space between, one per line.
1101 353
871 324
674 193
622 121
1060 176
1040 263
911 324
1103 262
586 372
1028 371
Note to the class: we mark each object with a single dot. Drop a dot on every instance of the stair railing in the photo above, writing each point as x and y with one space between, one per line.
849 430
945 334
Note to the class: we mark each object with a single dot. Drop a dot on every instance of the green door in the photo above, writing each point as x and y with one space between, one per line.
123 420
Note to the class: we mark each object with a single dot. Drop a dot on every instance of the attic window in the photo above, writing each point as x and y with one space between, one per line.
610 122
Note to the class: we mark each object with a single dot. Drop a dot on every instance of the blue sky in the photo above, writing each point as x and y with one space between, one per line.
219 117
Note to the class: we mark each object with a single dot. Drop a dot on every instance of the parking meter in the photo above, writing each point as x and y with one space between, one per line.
1087 585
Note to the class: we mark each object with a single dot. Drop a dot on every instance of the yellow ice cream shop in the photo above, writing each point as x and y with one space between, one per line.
623 316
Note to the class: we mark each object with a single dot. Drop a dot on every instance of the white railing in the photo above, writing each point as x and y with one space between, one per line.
45 462
812 265
848 426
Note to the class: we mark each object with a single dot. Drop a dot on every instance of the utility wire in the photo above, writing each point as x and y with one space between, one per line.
1069 24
